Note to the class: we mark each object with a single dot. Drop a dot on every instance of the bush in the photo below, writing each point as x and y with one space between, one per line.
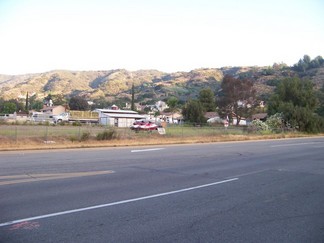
276 122
273 82
76 123
316 124
73 138
259 127
85 136
107 135
320 124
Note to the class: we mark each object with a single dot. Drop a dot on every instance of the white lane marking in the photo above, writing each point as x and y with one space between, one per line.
146 150
114 203
292 144
251 173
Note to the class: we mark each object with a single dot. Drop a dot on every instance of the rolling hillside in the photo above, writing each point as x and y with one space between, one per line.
149 84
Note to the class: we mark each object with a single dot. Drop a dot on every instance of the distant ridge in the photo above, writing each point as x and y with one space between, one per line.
149 84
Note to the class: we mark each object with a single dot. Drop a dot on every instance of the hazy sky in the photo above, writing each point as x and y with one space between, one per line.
167 35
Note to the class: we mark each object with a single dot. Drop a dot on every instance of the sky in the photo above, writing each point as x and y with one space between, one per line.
166 35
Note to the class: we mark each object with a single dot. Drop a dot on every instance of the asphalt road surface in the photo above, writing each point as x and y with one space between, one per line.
263 191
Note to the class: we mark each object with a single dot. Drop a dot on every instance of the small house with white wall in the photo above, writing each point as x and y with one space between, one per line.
53 110
118 118
173 118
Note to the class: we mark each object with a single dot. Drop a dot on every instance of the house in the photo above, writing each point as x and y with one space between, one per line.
118 118
210 114
53 110
161 105
213 117
242 122
169 117
137 106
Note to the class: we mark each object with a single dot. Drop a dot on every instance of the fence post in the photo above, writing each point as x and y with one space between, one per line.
79 136
16 134
46 133
182 130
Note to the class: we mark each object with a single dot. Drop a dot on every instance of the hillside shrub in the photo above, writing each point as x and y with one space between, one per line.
73 138
85 136
107 135
258 126
76 123
276 122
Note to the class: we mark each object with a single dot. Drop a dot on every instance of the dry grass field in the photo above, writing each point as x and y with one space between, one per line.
62 137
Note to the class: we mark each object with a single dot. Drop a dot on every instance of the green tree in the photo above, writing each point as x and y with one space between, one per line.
207 99
35 103
320 96
133 98
101 103
20 106
59 99
78 103
9 107
172 102
147 109
296 100
306 63
27 103
307 59
237 98
156 114
2 101
193 111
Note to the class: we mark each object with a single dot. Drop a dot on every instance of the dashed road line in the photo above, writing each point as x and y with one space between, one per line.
146 150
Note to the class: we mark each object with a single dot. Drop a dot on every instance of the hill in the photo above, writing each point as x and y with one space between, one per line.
109 84
150 85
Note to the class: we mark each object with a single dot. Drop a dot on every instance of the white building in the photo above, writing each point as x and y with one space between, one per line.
118 118
241 123
161 105
53 110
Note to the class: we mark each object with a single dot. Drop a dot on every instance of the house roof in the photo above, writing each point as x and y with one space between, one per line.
110 111
259 116
175 115
211 115
22 114
130 116
51 107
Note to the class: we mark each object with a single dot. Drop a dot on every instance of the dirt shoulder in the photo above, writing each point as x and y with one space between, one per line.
38 144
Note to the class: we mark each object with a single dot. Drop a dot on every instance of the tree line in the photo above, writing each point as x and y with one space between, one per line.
33 103
295 103
307 63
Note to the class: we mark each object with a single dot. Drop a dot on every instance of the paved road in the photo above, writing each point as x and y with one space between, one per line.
264 191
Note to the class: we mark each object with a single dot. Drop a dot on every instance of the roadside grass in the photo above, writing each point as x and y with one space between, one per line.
25 137
185 131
